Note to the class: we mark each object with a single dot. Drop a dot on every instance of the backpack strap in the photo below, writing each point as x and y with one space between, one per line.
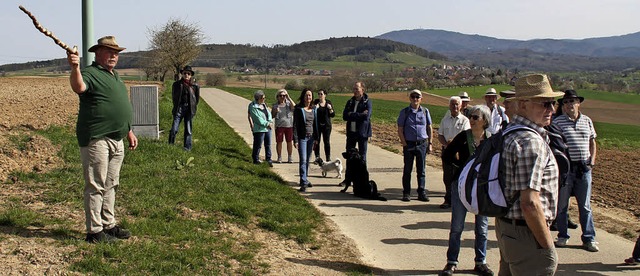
470 141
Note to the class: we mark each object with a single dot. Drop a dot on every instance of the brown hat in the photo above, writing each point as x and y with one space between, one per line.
106 41
535 86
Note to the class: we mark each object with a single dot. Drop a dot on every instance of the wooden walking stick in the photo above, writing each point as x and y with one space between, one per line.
48 33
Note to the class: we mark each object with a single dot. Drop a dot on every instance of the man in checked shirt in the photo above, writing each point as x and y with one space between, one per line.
525 241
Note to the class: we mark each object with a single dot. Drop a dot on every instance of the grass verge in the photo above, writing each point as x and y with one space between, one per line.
179 216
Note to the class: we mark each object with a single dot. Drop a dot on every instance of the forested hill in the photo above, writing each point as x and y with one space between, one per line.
362 49
282 56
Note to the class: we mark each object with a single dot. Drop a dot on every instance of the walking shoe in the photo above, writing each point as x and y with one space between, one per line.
483 269
118 232
571 225
99 237
279 160
309 185
290 160
423 197
445 205
561 242
591 246
406 197
270 163
449 269
632 261
303 189
257 162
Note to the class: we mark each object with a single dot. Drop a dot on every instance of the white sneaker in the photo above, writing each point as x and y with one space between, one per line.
279 160
591 246
561 242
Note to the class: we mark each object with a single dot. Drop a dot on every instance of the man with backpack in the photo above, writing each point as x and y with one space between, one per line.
531 184
415 132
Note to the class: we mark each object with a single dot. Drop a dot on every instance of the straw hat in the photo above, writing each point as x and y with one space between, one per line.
464 96
107 41
491 92
535 86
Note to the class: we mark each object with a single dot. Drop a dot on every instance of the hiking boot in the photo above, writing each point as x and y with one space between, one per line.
632 261
591 246
100 237
423 197
303 189
406 197
449 269
270 163
309 185
483 269
118 232
561 242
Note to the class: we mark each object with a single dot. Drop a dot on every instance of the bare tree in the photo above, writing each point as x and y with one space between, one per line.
176 44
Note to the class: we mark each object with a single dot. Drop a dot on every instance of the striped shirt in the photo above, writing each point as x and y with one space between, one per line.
578 134
529 164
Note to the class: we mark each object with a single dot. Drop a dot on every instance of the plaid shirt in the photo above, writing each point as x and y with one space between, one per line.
529 164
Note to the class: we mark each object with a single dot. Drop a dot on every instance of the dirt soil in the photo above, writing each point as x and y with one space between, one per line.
32 103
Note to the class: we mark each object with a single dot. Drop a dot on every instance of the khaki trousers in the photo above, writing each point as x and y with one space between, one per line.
520 253
101 162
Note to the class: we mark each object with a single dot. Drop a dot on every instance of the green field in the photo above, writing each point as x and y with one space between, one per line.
394 62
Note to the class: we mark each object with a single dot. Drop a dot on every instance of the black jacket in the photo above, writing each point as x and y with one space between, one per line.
178 88
299 128
363 121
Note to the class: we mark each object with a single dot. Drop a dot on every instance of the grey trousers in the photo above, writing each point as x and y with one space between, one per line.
101 162
520 253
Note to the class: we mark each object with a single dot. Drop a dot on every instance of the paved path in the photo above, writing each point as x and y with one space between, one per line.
408 237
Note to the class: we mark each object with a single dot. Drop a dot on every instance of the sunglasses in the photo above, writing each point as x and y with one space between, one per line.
280 95
475 117
415 97
568 101
547 105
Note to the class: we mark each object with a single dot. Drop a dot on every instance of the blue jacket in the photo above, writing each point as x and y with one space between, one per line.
362 120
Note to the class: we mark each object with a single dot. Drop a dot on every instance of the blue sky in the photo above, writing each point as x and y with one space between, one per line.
292 21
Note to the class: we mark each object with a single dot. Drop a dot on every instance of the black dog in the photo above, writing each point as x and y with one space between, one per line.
358 175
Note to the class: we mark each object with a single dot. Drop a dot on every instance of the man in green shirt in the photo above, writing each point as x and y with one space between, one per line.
104 119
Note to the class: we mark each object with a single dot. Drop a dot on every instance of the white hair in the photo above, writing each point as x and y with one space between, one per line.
455 98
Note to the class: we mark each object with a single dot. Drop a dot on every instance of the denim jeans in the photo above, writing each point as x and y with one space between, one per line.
258 139
182 113
581 187
353 139
305 148
419 153
458 215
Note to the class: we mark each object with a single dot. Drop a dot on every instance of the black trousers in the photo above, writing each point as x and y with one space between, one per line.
324 134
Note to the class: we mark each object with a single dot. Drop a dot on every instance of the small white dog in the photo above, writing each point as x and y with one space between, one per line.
335 165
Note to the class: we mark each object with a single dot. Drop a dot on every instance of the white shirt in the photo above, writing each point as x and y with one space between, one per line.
496 119
450 126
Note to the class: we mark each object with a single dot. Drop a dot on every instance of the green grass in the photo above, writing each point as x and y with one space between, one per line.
394 62
616 136
178 217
